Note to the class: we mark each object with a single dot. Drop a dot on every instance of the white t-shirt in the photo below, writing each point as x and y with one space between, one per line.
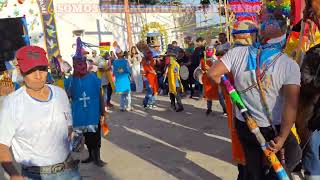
36 131
285 71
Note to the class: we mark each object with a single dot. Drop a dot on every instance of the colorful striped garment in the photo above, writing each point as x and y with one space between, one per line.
245 9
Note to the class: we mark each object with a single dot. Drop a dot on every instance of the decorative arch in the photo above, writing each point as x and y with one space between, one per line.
155 25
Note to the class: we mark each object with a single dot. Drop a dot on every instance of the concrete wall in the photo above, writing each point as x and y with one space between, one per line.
82 14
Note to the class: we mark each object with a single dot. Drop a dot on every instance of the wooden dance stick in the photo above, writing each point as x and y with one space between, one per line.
271 156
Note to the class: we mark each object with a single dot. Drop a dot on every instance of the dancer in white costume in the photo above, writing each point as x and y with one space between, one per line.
135 62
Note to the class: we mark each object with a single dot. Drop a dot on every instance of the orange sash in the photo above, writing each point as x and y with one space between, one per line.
210 88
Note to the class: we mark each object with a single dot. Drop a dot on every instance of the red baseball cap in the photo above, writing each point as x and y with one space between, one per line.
30 57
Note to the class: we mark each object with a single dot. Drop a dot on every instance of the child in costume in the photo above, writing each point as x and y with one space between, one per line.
173 74
210 88
107 83
148 64
121 70
149 99
160 69
88 110
111 86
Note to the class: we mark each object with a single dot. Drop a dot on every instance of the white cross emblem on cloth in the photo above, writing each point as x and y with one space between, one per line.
84 99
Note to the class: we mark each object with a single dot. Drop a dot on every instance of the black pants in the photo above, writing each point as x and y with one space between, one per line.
186 84
242 172
174 98
191 81
93 139
109 93
255 160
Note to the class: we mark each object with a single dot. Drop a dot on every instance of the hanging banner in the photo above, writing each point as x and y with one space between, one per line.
297 8
245 9
105 46
49 27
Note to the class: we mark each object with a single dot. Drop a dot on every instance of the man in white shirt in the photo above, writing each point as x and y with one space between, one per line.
36 123
274 103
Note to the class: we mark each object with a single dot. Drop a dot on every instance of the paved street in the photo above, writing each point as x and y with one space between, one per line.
161 144
164 145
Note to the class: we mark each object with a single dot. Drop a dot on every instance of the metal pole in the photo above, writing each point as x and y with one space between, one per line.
220 14
128 23
227 19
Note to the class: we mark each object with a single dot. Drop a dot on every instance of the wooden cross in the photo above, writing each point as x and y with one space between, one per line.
84 99
98 32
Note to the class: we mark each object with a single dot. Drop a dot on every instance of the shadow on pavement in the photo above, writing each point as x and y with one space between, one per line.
90 171
164 138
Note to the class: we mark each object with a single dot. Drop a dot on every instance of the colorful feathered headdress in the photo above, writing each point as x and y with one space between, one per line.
246 13
279 6
242 33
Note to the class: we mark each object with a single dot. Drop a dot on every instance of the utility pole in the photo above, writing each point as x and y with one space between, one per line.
226 11
128 22
220 14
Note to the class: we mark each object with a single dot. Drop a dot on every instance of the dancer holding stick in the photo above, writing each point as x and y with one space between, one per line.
280 80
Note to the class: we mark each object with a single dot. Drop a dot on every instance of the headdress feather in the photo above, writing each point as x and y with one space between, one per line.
79 50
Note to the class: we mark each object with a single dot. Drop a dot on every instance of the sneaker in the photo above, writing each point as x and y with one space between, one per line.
161 92
122 110
209 111
99 163
173 107
225 114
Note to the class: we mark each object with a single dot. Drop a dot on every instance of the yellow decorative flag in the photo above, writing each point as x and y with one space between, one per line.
104 47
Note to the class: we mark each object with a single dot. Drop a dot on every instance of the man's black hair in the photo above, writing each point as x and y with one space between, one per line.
223 34
310 69
40 68
199 39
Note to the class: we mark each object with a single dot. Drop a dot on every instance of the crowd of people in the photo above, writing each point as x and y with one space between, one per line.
49 86
38 119
147 69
